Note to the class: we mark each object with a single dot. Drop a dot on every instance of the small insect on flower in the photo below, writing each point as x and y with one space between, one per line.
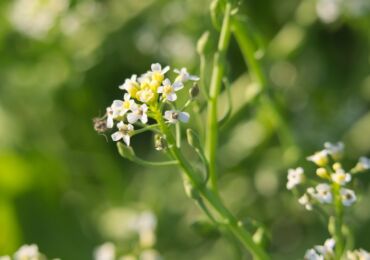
295 177
341 177
348 197
319 158
173 116
124 132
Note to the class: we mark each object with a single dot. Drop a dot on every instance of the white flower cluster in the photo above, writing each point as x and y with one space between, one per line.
331 171
144 97
26 252
143 224
321 252
326 251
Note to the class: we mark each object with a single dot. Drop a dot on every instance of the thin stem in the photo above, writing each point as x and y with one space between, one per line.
216 80
229 221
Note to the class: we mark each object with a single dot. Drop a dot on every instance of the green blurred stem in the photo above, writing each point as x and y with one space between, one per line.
215 86
214 201
338 234
247 46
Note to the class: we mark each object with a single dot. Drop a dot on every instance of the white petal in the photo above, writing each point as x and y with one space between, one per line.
177 85
184 117
167 68
176 71
126 97
171 96
120 124
166 82
126 139
110 122
117 136
130 127
144 119
132 118
168 115
160 90
194 78
156 67
117 104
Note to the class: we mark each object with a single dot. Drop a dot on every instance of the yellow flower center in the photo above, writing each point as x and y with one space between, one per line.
126 104
157 76
167 89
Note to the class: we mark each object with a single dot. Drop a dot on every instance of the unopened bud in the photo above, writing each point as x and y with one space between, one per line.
322 173
337 166
194 91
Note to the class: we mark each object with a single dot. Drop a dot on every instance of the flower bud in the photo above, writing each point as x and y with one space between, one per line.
337 166
194 91
322 173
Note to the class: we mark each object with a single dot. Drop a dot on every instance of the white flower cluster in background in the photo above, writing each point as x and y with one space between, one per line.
329 11
140 225
145 97
331 177
26 252
326 251
35 18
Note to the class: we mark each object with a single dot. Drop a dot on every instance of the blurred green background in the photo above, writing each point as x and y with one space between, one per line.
64 187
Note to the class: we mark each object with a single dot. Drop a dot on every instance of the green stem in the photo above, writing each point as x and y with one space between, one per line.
215 86
338 234
227 218
248 48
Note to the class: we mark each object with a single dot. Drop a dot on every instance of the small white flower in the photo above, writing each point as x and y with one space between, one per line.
157 68
295 177
168 90
305 200
348 197
149 254
311 254
319 158
157 73
363 164
327 249
335 150
27 252
131 85
138 113
106 251
359 254
121 107
123 132
322 193
341 177
173 116
184 75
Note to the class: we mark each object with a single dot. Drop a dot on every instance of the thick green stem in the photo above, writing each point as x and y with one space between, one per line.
338 234
215 86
